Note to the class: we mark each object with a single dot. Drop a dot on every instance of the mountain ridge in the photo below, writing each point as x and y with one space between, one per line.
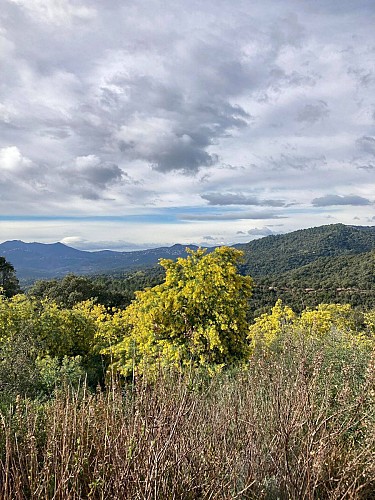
53 260
270 255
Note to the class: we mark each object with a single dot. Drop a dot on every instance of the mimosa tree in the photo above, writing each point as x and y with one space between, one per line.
197 316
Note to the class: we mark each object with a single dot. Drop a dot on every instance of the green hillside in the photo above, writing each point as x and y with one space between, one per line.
344 271
277 254
340 279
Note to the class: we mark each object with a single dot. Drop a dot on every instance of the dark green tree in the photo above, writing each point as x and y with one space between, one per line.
9 284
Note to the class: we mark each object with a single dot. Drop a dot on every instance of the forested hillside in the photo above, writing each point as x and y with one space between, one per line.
277 254
345 279
345 271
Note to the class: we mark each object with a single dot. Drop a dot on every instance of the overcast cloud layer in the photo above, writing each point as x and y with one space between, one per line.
127 124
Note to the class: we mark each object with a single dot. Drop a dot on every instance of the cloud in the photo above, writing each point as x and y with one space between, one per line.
366 144
84 244
333 199
239 199
154 95
86 177
231 216
59 12
91 176
159 142
178 137
20 179
312 113
260 231
295 162
368 168
11 159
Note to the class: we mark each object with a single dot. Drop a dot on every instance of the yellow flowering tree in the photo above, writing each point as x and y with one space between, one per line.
320 321
318 324
40 339
267 327
198 315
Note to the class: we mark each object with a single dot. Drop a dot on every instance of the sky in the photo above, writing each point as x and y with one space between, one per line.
127 125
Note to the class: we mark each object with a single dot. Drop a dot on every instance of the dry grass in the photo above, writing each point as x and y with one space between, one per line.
295 425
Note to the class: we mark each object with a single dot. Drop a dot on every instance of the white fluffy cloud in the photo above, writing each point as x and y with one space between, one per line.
11 160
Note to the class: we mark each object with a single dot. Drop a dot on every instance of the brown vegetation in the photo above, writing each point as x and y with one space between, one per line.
299 423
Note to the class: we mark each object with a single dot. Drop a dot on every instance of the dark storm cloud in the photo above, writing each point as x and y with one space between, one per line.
90 178
334 200
239 199
171 127
89 170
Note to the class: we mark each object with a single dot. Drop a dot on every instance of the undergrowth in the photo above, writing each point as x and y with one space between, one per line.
297 422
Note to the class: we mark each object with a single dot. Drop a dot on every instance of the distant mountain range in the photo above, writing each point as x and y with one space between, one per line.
52 260
268 256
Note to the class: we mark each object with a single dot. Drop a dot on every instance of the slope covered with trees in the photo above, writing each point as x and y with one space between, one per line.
277 254
341 279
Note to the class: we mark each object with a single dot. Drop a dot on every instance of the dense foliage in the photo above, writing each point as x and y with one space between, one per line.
41 344
198 316
110 291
